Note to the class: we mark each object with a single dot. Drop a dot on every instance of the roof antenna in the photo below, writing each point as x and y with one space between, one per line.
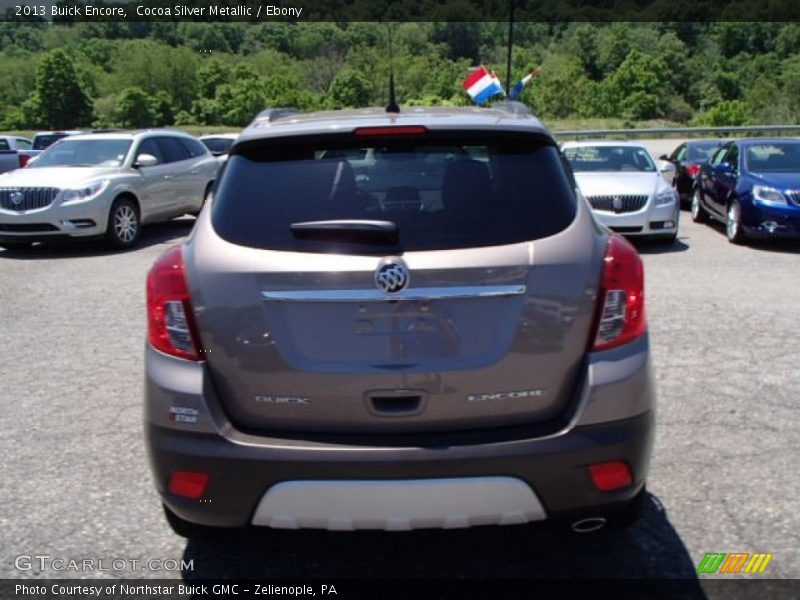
392 107
510 43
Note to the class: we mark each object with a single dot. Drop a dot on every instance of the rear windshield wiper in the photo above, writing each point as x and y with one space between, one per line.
346 230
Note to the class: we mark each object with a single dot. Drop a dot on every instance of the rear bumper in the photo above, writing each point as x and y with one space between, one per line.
611 419
554 469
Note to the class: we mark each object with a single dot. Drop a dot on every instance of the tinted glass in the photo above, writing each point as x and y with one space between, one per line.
441 191
40 142
149 146
776 157
679 153
4 144
84 153
218 145
172 149
718 155
193 147
23 144
609 158
732 157
702 151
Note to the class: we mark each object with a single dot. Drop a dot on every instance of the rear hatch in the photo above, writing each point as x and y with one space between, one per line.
394 283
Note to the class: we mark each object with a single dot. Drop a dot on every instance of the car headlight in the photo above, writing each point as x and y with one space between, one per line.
665 196
768 195
86 192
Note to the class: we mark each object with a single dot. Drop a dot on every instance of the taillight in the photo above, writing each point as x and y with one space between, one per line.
23 160
692 169
620 317
171 326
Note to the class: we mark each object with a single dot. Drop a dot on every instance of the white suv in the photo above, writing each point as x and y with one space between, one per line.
105 184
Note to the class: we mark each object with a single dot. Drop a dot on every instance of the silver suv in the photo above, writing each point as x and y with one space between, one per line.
105 184
398 321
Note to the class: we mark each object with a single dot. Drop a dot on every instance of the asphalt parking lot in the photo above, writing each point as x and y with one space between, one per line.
724 478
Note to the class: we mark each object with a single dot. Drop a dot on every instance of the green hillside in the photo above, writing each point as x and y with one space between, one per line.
221 74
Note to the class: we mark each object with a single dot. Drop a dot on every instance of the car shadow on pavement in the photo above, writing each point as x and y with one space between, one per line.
659 247
777 245
651 549
152 235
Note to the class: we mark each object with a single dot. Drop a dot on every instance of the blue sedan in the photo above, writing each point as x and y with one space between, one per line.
753 186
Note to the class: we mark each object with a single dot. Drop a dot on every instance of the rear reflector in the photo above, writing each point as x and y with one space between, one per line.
171 327
23 160
620 318
188 484
610 476
692 169
396 130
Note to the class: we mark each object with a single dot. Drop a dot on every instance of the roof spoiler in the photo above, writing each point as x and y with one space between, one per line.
513 107
273 114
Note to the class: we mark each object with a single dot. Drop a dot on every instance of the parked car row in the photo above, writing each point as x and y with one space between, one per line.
105 184
750 185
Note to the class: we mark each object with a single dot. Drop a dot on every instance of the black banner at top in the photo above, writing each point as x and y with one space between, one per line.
551 11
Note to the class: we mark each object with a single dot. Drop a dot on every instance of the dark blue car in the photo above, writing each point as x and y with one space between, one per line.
753 186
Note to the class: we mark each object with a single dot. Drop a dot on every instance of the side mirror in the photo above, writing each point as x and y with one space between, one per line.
663 157
667 170
145 160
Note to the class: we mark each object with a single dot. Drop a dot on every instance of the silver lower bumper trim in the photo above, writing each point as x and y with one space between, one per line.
398 505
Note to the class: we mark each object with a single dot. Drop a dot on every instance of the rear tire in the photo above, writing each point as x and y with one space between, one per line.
699 214
206 198
189 530
124 226
629 515
733 223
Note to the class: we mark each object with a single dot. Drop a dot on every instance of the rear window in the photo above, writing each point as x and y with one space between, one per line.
40 142
440 191
218 145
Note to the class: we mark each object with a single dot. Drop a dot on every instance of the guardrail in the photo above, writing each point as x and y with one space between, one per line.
746 130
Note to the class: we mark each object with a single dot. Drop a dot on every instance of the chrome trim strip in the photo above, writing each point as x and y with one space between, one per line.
375 295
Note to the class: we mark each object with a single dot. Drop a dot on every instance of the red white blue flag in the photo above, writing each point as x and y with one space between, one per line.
482 85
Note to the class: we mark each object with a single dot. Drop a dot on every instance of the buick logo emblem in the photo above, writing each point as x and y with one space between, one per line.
391 276
16 197
617 203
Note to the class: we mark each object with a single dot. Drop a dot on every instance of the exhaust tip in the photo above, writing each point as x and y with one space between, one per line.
588 525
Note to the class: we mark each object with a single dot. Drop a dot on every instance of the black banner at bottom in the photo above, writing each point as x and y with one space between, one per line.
172 589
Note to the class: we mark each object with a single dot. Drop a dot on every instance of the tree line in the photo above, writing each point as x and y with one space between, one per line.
117 74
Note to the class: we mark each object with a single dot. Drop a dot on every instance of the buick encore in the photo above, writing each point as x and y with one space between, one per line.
398 321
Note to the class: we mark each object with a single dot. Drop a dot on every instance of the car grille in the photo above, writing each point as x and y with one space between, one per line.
26 198
27 227
626 203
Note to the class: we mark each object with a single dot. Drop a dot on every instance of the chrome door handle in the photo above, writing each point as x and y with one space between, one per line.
195 172
167 176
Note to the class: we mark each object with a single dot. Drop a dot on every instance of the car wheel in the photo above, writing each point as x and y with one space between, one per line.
206 198
699 214
124 228
15 245
189 530
629 515
733 223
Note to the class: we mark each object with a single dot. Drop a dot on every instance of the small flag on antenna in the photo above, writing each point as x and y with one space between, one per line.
517 89
482 85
